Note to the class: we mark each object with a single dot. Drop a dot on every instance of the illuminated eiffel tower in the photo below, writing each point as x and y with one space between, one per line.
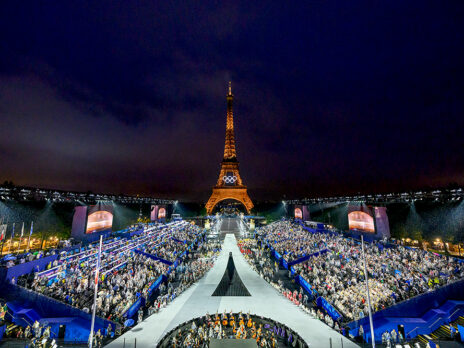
229 184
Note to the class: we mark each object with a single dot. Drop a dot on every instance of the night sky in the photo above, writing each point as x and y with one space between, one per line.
331 97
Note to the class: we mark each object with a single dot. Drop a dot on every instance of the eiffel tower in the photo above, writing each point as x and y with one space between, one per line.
229 184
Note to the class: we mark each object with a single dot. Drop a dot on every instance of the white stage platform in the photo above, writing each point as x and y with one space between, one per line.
264 300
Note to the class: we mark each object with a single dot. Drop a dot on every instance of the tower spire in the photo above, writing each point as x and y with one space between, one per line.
229 184
229 147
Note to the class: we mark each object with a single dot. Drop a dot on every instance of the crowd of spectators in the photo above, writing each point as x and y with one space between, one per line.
291 240
125 274
396 273
186 274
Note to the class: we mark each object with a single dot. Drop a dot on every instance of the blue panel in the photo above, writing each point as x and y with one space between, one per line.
322 302
28 267
154 257
135 307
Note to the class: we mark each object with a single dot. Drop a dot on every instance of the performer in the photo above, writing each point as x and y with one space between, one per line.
27 332
240 319
259 332
3 310
253 331
273 341
234 328
231 319
249 321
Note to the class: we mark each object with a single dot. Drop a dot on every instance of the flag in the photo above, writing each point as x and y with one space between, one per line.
97 269
32 228
22 231
2 230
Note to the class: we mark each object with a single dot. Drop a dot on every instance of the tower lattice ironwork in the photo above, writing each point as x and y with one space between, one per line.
229 184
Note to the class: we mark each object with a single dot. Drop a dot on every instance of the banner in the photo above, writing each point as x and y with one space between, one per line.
305 285
322 302
135 307
153 257
153 287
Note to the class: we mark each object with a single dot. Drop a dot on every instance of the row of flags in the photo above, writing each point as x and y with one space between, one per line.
3 230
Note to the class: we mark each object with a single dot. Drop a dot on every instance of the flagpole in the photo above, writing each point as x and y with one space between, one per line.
3 236
29 239
368 295
94 308
11 239
20 238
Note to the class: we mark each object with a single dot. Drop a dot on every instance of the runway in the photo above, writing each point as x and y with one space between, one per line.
264 300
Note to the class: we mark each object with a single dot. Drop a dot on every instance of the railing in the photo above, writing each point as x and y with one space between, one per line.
113 324
431 325
408 333
436 321
28 322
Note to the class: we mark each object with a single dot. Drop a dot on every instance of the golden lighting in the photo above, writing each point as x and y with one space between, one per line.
227 188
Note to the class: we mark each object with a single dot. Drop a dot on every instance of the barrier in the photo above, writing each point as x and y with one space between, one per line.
304 258
2 331
22 301
419 312
134 308
153 287
6 274
322 302
306 286
169 263
461 332
284 263
178 240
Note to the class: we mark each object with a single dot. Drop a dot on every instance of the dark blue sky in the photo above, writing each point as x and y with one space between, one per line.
331 97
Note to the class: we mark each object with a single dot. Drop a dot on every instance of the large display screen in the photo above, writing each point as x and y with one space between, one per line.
298 214
381 222
361 221
154 213
99 218
162 213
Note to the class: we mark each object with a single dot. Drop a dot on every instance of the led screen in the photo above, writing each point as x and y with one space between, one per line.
361 221
162 213
154 213
99 221
381 222
298 214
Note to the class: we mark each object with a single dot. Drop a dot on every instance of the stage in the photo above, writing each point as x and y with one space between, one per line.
264 300
215 343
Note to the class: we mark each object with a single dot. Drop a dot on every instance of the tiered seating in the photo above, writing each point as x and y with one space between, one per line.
291 240
396 273
125 273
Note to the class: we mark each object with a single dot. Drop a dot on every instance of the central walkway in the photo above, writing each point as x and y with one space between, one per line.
264 300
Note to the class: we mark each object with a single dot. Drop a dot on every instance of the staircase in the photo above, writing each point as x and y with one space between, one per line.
443 333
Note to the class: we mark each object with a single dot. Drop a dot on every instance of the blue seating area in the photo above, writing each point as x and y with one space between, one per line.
77 328
419 315
415 326
27 306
